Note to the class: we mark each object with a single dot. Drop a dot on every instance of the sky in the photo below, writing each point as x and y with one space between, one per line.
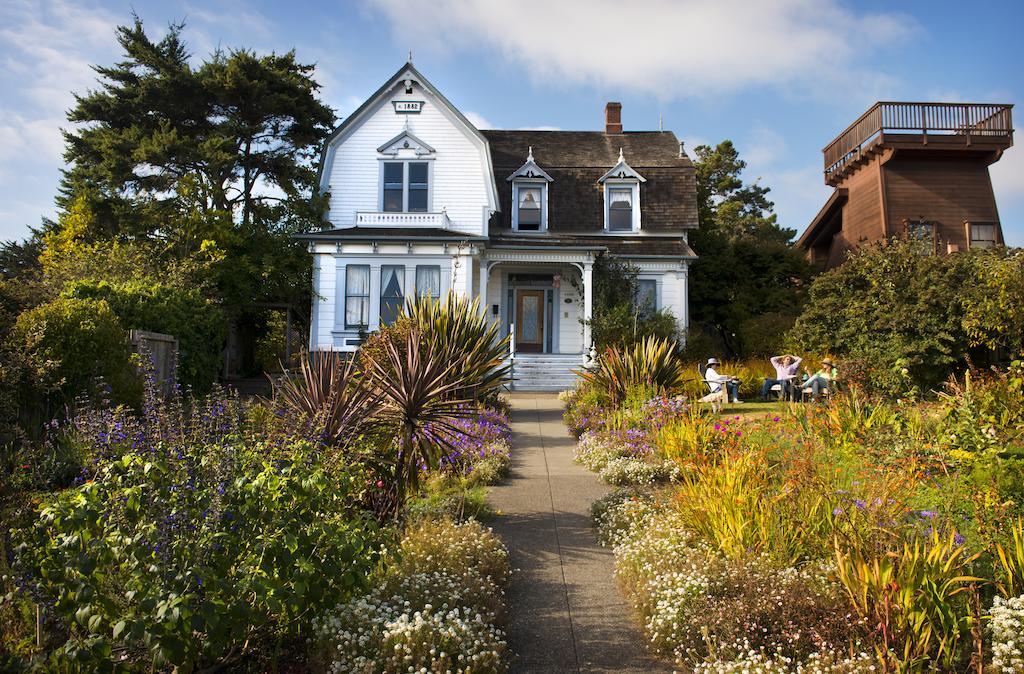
780 78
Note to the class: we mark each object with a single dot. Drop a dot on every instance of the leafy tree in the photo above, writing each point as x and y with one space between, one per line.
895 309
223 152
994 304
746 267
70 343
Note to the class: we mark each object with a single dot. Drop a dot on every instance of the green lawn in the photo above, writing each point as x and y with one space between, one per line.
753 409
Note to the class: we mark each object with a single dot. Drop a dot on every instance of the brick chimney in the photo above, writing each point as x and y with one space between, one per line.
613 117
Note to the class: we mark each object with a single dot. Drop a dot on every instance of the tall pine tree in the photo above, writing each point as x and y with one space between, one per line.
745 288
219 153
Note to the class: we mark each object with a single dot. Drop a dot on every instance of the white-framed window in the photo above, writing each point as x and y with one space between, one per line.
392 292
529 206
357 296
622 206
982 234
405 186
428 280
646 299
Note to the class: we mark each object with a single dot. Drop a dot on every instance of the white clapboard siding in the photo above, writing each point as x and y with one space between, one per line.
460 170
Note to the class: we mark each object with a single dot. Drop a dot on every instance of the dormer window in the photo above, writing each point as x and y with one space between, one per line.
530 197
529 209
622 197
620 209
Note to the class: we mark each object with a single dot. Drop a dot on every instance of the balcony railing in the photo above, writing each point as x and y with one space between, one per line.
390 219
946 119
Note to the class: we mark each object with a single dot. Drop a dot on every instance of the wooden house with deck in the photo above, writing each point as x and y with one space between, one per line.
912 169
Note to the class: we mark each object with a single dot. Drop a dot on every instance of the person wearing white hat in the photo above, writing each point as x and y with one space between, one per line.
716 381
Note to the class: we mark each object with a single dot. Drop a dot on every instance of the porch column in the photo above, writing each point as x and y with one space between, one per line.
588 308
462 275
484 273
684 299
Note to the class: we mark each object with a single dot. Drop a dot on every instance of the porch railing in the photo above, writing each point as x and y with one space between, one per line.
956 119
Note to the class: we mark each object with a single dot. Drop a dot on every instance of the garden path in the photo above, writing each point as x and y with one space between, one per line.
565 612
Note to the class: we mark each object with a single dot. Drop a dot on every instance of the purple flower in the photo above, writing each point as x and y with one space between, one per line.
928 514
958 539
861 505
837 511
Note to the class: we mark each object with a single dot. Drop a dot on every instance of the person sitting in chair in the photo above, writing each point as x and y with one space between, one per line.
785 370
716 381
822 379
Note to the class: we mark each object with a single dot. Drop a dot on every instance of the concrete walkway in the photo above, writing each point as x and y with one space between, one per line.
565 611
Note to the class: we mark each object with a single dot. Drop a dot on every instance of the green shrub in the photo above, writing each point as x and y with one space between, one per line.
459 335
71 342
444 546
905 313
194 320
650 363
184 560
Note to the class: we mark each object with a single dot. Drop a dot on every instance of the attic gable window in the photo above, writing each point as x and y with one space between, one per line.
405 186
530 197
622 197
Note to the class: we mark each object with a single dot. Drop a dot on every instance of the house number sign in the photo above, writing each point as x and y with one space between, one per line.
408 107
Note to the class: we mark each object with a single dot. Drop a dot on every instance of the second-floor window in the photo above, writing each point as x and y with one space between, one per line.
983 235
620 209
406 187
529 206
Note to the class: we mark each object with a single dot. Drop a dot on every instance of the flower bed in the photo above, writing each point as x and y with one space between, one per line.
436 608
853 537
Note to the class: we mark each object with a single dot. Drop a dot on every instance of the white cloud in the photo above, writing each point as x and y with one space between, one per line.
765 148
47 51
668 48
477 120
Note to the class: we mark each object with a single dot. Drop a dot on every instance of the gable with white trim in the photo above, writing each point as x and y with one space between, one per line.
409 121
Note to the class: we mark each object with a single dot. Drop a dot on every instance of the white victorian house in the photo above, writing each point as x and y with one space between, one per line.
421 201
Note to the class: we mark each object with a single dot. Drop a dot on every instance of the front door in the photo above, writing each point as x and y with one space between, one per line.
530 321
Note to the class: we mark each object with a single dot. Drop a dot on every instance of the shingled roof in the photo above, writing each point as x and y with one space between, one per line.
576 160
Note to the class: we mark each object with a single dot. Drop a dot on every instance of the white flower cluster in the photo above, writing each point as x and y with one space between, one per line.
375 635
695 603
435 610
1007 630
628 470
595 449
757 662
617 514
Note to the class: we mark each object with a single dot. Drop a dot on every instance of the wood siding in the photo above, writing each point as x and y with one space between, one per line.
946 192
862 213
459 178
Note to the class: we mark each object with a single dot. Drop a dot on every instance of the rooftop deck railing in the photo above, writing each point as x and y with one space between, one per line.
963 119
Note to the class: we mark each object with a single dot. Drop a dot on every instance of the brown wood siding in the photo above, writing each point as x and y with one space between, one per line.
862 213
944 191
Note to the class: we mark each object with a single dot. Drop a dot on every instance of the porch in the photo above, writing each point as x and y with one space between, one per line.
543 300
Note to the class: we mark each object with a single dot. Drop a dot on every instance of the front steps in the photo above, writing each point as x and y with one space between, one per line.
545 371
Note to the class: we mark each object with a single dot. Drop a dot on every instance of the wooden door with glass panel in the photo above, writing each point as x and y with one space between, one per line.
530 321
